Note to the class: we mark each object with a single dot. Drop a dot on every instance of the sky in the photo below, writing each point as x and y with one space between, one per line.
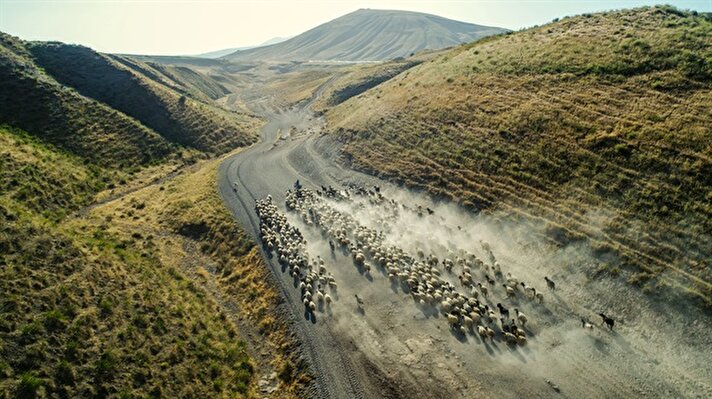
175 27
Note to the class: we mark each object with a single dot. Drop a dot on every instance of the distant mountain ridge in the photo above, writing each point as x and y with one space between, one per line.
224 52
370 35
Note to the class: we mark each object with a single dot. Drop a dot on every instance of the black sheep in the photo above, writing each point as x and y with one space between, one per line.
608 321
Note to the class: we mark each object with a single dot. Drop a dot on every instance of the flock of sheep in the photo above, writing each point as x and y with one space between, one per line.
461 286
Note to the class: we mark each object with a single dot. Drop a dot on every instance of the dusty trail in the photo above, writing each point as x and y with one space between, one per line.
397 348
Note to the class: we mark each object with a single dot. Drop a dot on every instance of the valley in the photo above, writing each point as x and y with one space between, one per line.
429 209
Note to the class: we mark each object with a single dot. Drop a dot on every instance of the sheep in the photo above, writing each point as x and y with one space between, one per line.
538 296
489 279
608 321
491 316
510 338
452 319
476 317
521 340
490 333
482 332
521 317
586 325
550 284
510 291
528 291
327 298
497 269
312 306
359 301
482 289
505 326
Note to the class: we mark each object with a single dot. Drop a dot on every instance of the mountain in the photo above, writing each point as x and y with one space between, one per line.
32 100
138 91
370 35
598 125
224 52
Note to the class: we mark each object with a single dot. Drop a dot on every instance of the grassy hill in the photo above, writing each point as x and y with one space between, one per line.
369 35
32 100
106 300
143 94
85 313
599 125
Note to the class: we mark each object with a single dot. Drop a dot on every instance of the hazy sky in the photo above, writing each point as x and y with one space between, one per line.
193 26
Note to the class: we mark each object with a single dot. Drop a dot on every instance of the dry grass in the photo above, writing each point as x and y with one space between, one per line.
356 79
193 232
157 293
86 311
559 123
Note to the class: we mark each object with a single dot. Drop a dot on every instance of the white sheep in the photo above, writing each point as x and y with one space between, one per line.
510 338
482 332
509 290
521 317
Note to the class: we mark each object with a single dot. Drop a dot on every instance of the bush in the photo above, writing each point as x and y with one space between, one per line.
29 386
64 373
106 307
54 320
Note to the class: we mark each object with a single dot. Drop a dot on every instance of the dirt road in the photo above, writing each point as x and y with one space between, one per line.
396 347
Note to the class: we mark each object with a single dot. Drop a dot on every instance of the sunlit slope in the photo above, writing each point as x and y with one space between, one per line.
160 101
368 35
598 124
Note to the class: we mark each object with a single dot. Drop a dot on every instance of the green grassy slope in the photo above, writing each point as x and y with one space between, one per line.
35 102
597 124
173 115
183 79
88 310
85 313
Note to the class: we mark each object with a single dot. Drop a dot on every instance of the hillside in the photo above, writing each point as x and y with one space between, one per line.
369 35
597 125
113 297
32 100
150 96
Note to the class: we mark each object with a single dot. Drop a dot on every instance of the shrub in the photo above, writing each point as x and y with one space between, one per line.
64 374
29 386
54 320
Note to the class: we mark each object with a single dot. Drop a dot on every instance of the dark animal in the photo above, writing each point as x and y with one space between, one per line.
489 279
430 211
503 311
505 326
550 284
608 321
331 245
